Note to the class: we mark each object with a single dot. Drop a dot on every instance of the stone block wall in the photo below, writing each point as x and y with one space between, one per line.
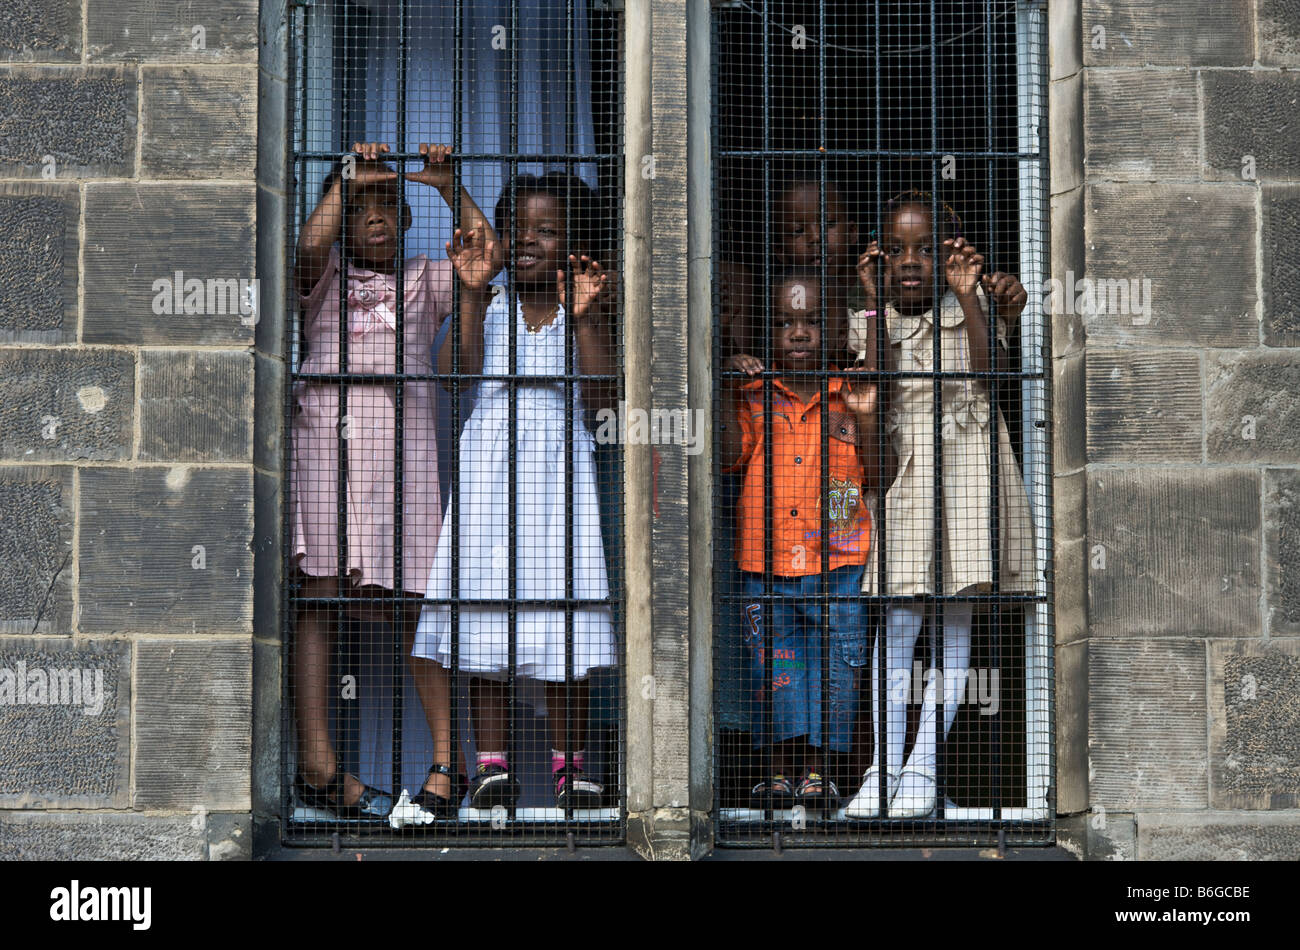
1187 484
130 460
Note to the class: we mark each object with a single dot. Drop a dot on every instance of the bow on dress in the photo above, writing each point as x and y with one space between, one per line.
371 304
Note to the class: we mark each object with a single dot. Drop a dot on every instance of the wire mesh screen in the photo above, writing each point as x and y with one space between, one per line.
453 630
882 515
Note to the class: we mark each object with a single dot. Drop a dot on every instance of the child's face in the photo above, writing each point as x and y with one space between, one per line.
797 324
535 243
374 222
909 254
798 228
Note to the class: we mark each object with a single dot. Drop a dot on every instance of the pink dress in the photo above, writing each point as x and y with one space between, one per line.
369 427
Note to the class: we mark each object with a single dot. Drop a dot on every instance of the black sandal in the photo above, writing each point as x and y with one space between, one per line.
373 804
437 805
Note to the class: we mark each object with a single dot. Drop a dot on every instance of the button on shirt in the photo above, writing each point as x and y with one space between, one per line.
796 488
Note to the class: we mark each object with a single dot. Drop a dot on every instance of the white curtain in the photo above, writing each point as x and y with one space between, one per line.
486 101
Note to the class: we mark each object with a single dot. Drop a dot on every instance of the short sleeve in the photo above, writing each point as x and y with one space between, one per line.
328 280
438 276
748 436
859 332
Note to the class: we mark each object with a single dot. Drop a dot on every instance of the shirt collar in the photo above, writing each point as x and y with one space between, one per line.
950 315
833 385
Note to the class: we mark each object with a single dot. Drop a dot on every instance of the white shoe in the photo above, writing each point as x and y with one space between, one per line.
915 797
866 804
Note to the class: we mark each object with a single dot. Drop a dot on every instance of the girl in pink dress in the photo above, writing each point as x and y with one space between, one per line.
368 194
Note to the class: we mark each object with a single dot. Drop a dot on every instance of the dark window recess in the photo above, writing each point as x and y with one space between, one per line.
453 531
922 555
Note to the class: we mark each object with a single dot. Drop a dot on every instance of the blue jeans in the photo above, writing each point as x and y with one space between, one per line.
796 642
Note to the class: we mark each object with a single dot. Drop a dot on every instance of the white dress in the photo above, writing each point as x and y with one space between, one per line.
484 566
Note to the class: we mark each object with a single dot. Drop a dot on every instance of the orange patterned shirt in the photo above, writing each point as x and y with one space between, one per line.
796 483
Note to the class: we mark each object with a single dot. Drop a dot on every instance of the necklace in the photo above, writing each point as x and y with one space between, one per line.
550 318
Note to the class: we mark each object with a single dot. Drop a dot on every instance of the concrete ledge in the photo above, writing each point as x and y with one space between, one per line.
1218 836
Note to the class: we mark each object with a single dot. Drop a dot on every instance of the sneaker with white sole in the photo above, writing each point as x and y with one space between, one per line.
573 789
866 804
915 795
493 786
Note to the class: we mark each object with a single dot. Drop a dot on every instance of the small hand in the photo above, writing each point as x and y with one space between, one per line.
589 282
860 397
437 169
476 261
867 265
962 266
1008 293
743 362
366 174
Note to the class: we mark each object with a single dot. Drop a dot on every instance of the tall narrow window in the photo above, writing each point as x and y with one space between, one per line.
453 527
882 519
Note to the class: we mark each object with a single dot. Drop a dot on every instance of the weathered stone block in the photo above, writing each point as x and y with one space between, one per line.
36 549
1069 427
1252 406
268 425
1255 724
65 723
193 714
77 121
1146 724
142 30
1143 406
267 697
1218 836
41 31
1251 113
275 311
1099 835
1069 507
267 553
166 550
38 836
230 837
159 262
272 131
267 692
1281 276
38 263
1065 102
66 404
273 36
1282 546
1279 33
1072 727
1163 105
196 406
1065 44
1174 552
1068 257
1193 33
199 122
1112 836
1071 591
1130 230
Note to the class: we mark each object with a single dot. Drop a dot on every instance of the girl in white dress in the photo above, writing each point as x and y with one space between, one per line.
537 246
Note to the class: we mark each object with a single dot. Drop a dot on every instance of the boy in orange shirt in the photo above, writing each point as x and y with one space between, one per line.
795 493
